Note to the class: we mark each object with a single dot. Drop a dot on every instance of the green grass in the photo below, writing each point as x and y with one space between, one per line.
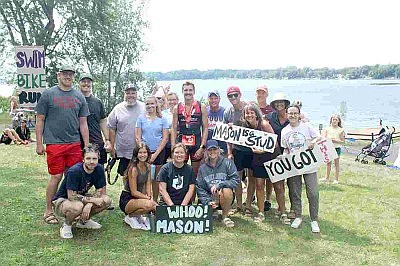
359 221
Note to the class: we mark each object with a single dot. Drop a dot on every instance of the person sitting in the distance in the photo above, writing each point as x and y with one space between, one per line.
72 201
176 179
9 135
216 180
24 133
136 199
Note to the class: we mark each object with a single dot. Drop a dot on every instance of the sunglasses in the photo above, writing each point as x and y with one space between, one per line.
233 95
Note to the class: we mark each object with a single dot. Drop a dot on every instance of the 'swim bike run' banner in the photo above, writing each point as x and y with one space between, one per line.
31 74
301 161
193 219
244 136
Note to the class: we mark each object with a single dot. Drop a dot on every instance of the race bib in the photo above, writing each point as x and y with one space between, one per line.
188 140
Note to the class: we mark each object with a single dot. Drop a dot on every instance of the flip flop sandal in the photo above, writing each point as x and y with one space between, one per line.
50 218
248 212
228 222
284 219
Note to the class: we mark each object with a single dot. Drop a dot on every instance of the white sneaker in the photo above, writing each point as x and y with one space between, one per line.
315 227
296 223
66 231
89 224
132 222
144 222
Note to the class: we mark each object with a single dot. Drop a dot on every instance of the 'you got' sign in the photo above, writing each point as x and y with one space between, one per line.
193 219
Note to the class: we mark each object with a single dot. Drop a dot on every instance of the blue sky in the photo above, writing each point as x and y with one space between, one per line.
188 34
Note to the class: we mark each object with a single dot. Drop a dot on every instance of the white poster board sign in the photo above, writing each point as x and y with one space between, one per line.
301 161
247 137
31 74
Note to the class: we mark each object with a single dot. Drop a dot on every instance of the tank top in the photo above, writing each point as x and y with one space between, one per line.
141 180
191 123
334 133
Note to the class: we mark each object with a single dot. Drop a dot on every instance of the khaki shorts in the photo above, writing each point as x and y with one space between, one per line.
57 207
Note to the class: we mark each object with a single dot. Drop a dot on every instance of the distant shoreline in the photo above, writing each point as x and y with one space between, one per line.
385 83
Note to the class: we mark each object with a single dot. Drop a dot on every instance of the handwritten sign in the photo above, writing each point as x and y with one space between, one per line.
193 219
243 136
301 161
31 74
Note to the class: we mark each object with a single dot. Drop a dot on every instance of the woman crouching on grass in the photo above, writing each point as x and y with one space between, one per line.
176 179
135 199
335 132
296 136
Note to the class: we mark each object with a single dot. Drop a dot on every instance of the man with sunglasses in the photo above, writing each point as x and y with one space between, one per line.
237 152
189 118
215 115
121 123
61 115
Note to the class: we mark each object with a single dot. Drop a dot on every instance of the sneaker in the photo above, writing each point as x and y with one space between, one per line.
89 224
335 181
267 205
291 215
66 231
132 222
145 223
315 227
259 218
296 223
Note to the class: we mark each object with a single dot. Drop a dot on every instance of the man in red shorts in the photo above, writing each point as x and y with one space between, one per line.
61 114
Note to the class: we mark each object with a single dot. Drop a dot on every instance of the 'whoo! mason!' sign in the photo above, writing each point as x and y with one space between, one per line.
247 137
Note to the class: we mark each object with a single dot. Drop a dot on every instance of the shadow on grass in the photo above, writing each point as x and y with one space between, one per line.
357 186
326 187
331 232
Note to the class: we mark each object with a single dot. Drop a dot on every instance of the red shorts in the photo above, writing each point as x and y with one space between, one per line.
62 156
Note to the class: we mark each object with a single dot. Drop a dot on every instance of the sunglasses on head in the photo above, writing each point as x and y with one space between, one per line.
233 95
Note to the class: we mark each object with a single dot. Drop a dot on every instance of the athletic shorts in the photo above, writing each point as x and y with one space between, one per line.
242 159
160 158
103 156
62 156
339 151
259 171
191 153
124 199
167 154
122 165
57 207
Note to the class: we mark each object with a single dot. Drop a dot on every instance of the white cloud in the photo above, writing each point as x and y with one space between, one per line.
268 34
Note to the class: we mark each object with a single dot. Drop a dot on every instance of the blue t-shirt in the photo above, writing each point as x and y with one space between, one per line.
76 179
152 130
213 118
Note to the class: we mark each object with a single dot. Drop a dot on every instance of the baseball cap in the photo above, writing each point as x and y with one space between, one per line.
66 68
212 143
216 93
131 86
233 89
262 88
85 76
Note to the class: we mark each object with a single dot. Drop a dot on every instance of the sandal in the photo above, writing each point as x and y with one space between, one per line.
292 215
284 219
248 212
259 218
237 210
228 222
50 218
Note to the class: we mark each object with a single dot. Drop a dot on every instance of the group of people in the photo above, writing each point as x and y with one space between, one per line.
19 133
163 134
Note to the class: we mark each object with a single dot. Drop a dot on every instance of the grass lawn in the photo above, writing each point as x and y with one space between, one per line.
359 220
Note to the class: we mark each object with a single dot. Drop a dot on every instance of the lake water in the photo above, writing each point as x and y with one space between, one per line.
363 103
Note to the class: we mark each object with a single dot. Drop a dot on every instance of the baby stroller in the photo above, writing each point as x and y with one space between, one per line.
378 148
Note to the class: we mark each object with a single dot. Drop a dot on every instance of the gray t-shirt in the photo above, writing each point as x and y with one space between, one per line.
61 110
123 119
233 116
